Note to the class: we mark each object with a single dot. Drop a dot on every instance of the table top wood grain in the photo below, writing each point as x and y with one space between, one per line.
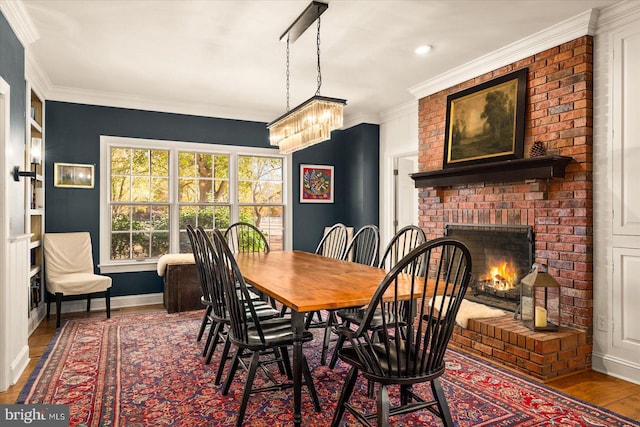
307 282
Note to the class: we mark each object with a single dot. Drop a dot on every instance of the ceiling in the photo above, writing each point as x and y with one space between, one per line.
224 58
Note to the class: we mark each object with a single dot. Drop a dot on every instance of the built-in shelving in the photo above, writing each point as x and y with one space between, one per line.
34 203
544 167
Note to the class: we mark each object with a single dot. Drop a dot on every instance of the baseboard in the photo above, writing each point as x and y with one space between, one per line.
98 304
619 368
19 364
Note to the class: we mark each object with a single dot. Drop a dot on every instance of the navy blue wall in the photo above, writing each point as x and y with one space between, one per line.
12 71
73 136
354 153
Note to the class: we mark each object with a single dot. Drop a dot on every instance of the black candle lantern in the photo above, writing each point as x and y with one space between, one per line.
540 300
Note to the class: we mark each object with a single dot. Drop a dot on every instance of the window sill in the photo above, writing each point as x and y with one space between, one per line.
129 266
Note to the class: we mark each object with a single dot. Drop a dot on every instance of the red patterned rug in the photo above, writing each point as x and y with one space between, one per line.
146 370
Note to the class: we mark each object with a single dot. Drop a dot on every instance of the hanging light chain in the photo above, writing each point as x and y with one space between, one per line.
318 45
288 72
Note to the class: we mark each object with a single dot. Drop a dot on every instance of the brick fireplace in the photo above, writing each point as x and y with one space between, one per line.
560 210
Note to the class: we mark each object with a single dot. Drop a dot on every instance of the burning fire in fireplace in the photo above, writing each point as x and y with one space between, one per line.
502 255
502 276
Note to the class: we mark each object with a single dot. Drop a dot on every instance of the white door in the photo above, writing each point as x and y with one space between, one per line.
625 195
4 234
405 199
616 248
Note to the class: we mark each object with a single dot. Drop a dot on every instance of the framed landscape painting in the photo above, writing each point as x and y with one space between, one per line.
485 123
316 184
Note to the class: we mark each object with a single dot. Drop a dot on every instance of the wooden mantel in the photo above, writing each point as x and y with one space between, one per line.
544 167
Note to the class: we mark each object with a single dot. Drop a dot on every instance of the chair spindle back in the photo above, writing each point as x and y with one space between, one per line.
414 349
364 246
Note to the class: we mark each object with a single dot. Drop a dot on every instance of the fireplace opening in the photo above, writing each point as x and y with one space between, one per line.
501 256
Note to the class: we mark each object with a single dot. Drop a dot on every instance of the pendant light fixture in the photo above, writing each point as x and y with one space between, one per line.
312 121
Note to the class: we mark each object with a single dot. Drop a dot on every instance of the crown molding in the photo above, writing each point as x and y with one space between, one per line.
618 14
36 76
402 110
19 21
578 26
359 118
119 100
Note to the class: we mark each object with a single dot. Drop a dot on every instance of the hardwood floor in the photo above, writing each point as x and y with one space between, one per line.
608 392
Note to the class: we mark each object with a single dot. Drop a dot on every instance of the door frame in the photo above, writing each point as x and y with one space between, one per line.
388 205
5 120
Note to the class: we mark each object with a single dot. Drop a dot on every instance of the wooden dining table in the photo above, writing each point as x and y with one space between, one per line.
307 282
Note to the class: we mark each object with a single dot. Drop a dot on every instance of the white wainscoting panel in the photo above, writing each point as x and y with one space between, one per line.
626 131
17 305
626 295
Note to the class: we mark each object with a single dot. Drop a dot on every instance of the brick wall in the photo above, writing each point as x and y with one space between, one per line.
542 356
559 113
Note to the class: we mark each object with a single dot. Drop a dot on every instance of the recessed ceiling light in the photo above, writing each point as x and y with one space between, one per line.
423 50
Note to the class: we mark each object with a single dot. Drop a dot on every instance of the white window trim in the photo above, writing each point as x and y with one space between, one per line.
106 142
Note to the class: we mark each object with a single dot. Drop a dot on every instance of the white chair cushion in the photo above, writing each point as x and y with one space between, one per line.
173 259
79 283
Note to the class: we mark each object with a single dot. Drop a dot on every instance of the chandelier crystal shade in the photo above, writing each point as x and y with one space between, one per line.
312 121
309 123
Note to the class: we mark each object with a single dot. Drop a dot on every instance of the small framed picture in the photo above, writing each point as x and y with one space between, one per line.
72 175
316 184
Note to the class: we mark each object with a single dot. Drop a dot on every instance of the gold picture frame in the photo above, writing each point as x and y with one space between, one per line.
485 123
73 175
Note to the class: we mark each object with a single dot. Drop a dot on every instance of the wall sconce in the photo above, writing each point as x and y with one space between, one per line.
36 159
17 173
36 151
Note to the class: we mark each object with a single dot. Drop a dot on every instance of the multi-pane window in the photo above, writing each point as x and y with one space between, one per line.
139 203
260 196
153 189
203 192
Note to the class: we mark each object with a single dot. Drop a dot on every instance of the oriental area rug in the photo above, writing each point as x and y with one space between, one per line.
147 370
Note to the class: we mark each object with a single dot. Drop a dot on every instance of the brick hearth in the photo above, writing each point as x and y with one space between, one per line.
540 355
560 210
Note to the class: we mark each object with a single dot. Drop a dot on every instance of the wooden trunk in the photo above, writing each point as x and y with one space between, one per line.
182 289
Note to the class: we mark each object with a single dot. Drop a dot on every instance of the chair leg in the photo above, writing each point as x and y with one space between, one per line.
88 303
107 302
336 348
283 311
309 381
370 389
382 406
278 355
347 389
212 336
405 396
441 400
232 371
58 308
309 320
331 318
287 362
253 367
48 296
205 322
223 360
215 333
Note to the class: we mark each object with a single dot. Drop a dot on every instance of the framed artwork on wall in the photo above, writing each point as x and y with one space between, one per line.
485 123
316 184
72 175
